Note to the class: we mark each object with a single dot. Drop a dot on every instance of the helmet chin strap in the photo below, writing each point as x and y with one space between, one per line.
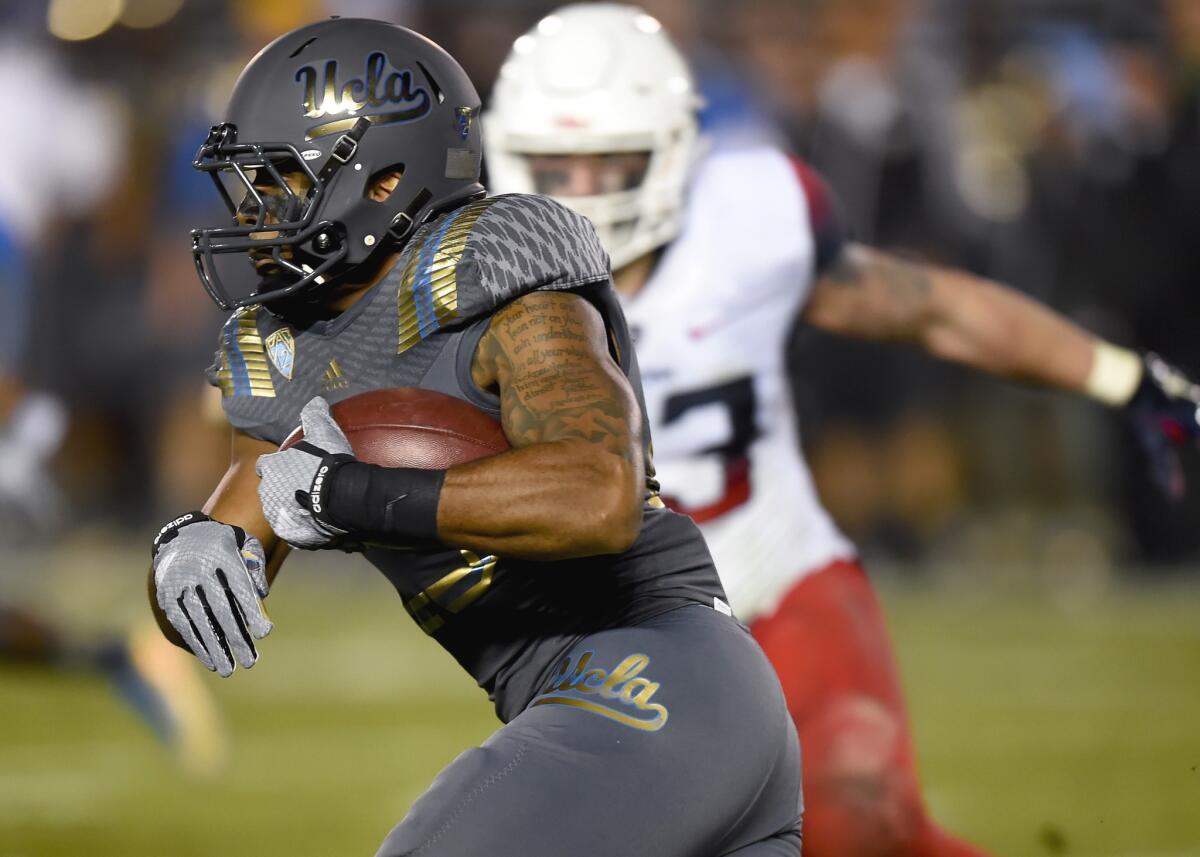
343 150
404 226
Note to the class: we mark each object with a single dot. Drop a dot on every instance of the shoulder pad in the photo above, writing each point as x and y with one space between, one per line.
240 368
490 252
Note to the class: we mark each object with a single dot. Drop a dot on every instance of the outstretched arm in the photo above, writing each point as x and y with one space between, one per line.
959 317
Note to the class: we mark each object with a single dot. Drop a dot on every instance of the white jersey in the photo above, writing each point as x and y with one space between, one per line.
711 327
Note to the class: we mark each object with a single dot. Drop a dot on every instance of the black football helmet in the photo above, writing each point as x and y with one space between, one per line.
333 106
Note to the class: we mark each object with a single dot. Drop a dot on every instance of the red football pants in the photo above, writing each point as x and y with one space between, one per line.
829 645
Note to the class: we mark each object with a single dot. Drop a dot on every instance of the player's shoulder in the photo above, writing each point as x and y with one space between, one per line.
756 187
739 168
259 373
772 201
491 251
523 240
745 207
248 339
538 215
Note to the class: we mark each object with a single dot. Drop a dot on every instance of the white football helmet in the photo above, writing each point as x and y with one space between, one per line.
600 80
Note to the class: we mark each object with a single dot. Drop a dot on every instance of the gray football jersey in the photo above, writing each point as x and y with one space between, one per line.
506 621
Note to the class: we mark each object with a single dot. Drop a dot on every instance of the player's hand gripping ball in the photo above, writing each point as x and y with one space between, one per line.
1165 413
209 579
290 478
398 429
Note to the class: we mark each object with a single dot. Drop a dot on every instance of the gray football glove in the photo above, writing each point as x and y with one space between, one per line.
293 472
209 578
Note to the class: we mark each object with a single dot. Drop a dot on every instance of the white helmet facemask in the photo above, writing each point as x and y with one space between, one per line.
599 91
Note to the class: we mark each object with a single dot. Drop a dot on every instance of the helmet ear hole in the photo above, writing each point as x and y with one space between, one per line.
383 183
433 84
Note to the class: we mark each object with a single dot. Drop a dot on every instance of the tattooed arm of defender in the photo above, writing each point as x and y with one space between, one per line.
573 483
953 316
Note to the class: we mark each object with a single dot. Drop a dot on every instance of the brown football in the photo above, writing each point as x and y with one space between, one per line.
407 427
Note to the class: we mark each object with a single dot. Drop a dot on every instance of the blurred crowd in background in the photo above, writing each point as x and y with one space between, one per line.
1051 144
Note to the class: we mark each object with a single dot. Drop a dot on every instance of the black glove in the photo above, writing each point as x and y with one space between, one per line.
1165 414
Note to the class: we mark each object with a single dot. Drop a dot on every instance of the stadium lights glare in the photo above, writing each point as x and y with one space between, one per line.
79 20
147 14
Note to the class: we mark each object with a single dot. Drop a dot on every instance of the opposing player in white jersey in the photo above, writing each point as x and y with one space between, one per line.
716 253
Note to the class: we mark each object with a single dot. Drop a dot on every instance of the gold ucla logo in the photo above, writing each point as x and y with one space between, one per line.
375 89
623 685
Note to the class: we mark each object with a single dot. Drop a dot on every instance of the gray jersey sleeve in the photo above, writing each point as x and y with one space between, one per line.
512 245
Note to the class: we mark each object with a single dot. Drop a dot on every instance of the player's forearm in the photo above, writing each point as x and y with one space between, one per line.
548 501
554 499
235 502
965 319
1004 333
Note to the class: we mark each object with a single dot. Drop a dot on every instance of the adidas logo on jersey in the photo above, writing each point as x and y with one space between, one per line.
333 377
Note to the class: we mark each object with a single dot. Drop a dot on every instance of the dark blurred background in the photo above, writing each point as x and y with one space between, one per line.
1051 144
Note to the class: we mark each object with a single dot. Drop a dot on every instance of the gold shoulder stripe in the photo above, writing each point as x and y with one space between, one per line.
244 370
428 295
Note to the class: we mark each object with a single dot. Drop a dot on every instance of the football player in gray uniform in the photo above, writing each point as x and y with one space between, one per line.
640 716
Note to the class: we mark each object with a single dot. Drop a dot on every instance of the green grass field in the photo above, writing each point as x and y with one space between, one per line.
1040 731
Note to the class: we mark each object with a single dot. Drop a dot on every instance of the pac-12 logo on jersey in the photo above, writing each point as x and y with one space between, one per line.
281 348
373 89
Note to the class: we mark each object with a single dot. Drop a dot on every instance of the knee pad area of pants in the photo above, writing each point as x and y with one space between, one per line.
860 794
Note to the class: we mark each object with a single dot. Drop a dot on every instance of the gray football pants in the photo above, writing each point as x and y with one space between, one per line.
666 739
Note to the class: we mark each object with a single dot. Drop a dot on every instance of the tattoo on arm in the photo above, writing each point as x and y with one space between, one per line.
846 270
904 281
875 295
548 354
